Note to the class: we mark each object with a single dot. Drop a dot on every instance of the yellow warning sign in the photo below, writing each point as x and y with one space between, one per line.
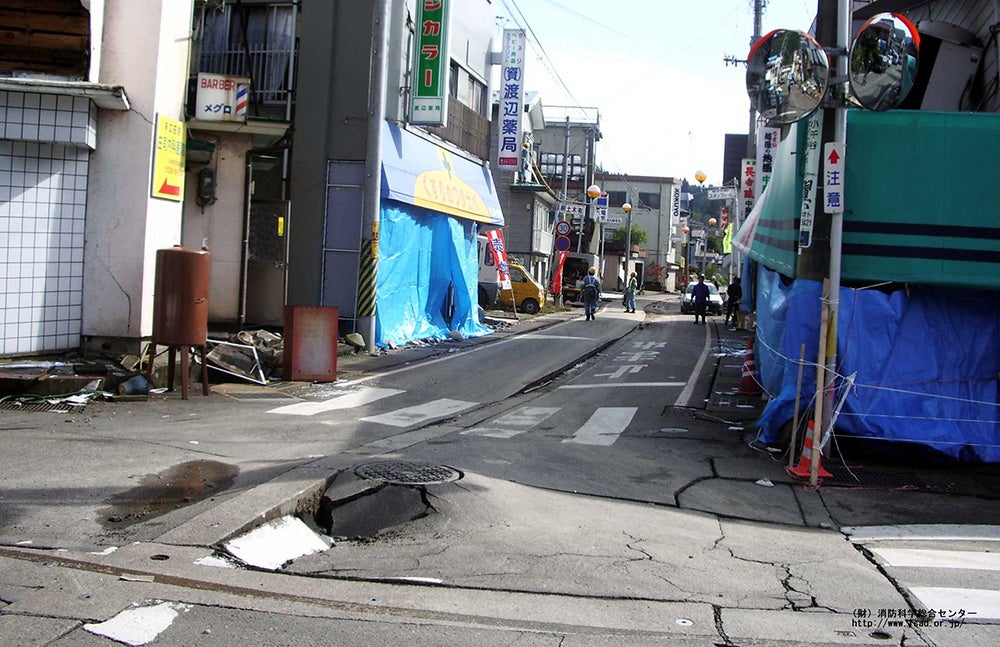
168 159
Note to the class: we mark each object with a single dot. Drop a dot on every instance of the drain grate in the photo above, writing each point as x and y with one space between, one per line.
407 473
868 478
38 407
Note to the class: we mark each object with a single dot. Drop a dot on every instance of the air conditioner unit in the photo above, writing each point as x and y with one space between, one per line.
949 58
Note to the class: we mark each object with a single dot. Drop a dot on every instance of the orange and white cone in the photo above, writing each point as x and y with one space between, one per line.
748 383
803 469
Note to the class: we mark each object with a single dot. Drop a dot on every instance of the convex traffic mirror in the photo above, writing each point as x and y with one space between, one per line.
883 61
787 76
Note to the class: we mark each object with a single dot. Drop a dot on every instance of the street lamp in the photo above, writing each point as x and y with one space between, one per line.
592 192
627 208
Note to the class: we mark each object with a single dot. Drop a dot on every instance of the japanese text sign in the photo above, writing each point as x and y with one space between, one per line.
431 64
222 98
500 257
511 99
833 178
168 159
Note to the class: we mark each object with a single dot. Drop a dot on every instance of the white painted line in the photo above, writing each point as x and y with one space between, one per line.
473 349
604 427
923 532
605 385
523 419
138 625
926 558
421 413
365 396
493 432
684 398
544 336
978 604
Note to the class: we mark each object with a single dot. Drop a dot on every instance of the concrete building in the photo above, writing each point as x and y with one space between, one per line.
134 127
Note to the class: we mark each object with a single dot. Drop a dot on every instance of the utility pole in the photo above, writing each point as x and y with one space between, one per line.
758 15
821 260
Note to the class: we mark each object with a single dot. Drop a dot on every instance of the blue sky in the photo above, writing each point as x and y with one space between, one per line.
654 69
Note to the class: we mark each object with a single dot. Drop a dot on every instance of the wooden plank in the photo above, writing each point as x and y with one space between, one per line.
70 7
34 21
66 42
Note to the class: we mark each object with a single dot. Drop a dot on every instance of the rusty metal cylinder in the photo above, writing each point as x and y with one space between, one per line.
180 297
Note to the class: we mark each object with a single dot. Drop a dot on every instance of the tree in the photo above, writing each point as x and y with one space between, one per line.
639 236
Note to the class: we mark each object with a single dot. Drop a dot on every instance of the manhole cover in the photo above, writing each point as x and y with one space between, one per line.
406 473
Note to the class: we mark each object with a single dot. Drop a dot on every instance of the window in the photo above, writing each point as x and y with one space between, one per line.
464 86
651 200
270 39
617 198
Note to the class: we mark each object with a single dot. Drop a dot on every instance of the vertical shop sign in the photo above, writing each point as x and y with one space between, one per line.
748 186
500 257
168 159
430 64
807 215
767 147
511 99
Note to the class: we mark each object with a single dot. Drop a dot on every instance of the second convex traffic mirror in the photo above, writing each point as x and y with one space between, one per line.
787 76
883 61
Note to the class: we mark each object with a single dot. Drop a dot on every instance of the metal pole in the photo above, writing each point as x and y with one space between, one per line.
628 240
373 157
836 219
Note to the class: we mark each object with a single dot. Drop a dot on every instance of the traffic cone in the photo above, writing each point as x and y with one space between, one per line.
748 383
802 470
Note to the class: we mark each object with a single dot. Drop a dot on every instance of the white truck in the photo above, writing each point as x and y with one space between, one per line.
489 278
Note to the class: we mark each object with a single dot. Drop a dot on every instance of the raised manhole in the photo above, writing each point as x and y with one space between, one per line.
407 472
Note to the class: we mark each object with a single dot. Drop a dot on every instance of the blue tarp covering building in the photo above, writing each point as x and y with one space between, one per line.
926 361
926 357
433 204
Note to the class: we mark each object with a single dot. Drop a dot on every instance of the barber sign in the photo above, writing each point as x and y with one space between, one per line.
222 98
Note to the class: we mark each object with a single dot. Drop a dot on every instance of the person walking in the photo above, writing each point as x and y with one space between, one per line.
591 291
699 298
633 285
734 293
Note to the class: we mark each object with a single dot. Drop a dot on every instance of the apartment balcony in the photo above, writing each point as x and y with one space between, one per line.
466 129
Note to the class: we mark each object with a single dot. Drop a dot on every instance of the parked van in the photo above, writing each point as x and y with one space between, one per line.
489 278
526 293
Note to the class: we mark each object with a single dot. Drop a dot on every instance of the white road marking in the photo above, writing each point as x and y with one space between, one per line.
927 558
346 401
978 604
684 398
421 412
923 532
622 370
521 419
604 427
605 385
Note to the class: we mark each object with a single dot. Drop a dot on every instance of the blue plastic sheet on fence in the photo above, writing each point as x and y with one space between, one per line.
927 361
428 275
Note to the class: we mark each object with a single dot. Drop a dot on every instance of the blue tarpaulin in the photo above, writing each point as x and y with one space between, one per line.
927 361
428 274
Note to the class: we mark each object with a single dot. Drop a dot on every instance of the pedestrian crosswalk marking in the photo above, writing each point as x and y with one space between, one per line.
978 604
421 412
604 427
927 558
359 398
514 423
